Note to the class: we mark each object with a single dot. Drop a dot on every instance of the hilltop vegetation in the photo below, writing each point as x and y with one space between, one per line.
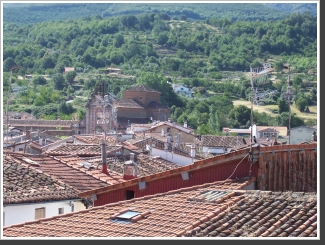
152 48
32 13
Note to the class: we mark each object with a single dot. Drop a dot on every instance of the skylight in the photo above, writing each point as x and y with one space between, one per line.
127 215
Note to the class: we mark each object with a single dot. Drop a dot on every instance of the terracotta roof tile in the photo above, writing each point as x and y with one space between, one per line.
36 122
80 180
22 184
97 139
80 150
128 103
160 218
156 105
222 141
141 88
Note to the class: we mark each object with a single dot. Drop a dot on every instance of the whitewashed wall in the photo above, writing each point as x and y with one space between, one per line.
14 214
215 150
172 157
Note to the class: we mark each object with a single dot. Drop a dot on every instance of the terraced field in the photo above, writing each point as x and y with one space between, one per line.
268 109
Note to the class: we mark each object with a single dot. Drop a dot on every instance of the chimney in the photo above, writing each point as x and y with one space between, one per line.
314 136
130 169
119 137
192 151
40 140
185 124
104 165
169 138
27 135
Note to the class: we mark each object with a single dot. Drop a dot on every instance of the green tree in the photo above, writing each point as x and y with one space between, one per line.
48 63
301 103
39 80
65 108
70 76
297 81
278 66
58 81
283 105
241 114
182 17
162 38
119 41
8 64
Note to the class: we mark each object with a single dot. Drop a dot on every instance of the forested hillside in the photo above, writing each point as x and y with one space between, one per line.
154 48
32 13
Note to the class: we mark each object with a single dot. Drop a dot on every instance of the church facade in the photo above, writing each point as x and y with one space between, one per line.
140 104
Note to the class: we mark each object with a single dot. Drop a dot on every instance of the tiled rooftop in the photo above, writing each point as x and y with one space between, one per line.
173 125
147 165
222 141
168 214
141 88
96 139
128 103
126 122
155 105
23 183
72 176
264 214
80 150
66 123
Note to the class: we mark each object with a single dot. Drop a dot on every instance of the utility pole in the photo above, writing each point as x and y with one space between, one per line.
251 116
289 99
287 96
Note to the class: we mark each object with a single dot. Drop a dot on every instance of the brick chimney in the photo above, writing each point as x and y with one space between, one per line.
104 159
130 169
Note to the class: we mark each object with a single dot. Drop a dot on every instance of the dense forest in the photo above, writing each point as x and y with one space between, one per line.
32 13
156 47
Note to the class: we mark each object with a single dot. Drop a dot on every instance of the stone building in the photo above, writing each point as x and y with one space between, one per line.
140 104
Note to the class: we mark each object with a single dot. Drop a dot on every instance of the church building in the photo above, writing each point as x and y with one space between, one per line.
140 104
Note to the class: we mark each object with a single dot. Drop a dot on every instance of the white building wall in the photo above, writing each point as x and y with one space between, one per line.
19 213
172 157
214 150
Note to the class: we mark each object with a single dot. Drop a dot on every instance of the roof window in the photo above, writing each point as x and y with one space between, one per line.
127 215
